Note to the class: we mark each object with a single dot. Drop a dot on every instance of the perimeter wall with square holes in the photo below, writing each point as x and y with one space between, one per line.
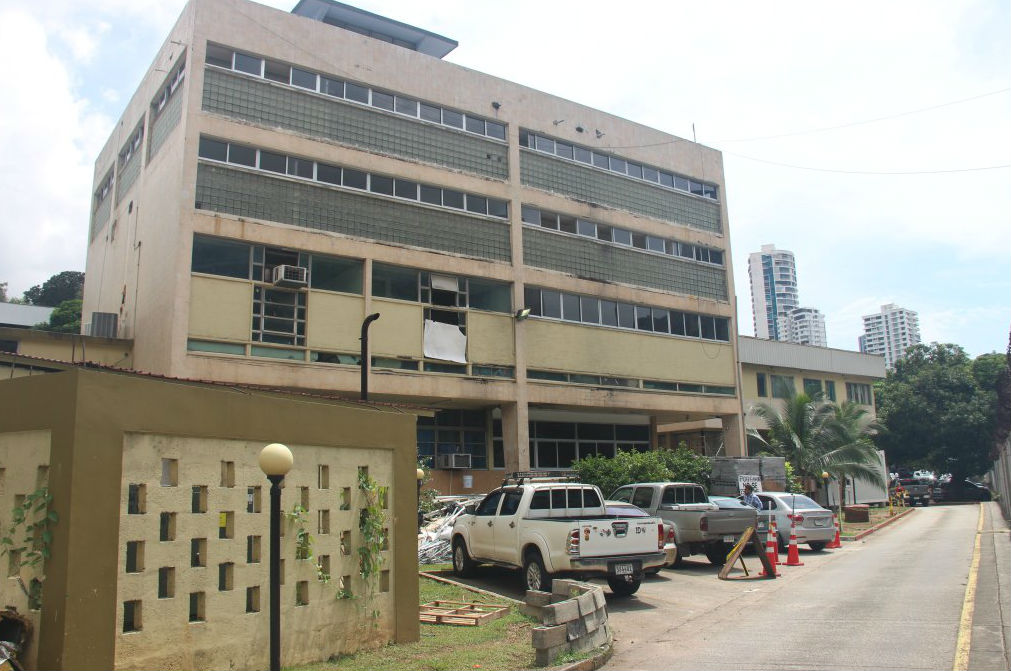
160 557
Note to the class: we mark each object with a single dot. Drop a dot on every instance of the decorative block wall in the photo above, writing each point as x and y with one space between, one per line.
574 617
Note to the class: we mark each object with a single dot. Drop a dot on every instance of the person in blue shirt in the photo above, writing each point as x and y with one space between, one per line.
750 498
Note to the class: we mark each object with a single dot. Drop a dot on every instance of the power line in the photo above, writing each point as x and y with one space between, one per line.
870 172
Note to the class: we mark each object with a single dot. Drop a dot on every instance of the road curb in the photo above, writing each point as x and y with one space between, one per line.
874 528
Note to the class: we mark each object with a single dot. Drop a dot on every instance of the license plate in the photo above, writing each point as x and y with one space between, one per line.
624 568
820 521
730 539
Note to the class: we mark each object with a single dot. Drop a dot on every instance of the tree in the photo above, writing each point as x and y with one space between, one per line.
61 287
816 437
626 467
938 410
66 318
3 292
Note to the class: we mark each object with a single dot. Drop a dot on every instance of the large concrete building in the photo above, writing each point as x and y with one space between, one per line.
775 300
556 289
890 332
806 326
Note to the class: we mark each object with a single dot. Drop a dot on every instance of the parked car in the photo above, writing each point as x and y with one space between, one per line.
700 526
813 523
670 548
967 490
916 490
551 527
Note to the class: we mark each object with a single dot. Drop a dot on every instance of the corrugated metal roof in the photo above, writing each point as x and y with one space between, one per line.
759 352
14 314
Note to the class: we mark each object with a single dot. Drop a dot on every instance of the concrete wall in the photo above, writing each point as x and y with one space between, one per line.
109 431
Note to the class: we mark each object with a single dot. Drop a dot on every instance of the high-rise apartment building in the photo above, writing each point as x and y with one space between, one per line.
773 276
277 177
890 332
806 326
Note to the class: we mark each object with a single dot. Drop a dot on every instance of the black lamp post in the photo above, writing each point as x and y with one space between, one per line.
275 461
365 353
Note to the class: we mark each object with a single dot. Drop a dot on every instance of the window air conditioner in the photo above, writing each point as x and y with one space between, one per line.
290 276
451 461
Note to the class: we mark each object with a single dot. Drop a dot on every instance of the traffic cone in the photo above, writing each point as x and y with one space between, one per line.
835 544
793 554
770 554
775 538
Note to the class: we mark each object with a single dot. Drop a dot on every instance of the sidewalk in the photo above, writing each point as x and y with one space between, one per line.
991 621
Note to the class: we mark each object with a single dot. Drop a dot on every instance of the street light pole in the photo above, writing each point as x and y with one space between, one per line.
365 353
275 461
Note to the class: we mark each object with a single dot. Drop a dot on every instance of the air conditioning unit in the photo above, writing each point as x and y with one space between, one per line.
451 461
290 276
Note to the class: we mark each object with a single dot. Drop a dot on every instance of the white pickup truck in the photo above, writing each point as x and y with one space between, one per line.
700 526
549 528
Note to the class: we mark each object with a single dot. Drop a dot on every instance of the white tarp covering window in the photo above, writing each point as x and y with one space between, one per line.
445 283
445 341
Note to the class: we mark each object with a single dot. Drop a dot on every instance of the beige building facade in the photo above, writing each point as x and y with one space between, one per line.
554 280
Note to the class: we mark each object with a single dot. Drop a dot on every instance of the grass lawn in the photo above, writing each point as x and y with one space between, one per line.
500 645
877 516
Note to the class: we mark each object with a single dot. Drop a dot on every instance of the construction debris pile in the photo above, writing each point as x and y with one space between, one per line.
433 541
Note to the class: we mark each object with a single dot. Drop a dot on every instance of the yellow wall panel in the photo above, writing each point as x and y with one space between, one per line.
572 347
399 331
334 321
220 309
490 338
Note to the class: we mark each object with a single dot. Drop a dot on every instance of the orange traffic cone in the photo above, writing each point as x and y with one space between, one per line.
775 538
835 544
770 554
793 554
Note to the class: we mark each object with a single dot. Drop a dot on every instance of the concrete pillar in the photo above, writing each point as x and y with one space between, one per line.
654 436
516 436
734 442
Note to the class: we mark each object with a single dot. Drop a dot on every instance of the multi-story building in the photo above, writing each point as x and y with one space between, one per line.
773 276
806 326
890 332
553 279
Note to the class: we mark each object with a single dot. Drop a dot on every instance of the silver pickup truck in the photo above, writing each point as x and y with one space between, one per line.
700 526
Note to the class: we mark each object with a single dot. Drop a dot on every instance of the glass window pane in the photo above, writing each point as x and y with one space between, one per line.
498 208
639 240
691 325
406 189
249 64
551 304
635 170
475 125
654 243
626 316
220 257
587 228
601 160
382 100
278 72
431 194
708 327
328 173
582 155
217 55
394 282
618 165
356 179
532 300
677 323
357 93
589 308
667 179
213 149
570 307
332 87
566 223
452 198
661 321
495 130
303 78
563 150
622 236
273 162
451 118
241 154
643 318
336 274
650 174
300 167
604 232
680 183
381 184
406 106
608 313
486 295
544 144
431 113
723 330
477 204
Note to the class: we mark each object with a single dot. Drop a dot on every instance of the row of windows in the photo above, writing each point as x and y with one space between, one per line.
613 163
103 191
168 89
633 383
620 236
306 79
783 387
591 310
411 284
303 168
132 145
859 393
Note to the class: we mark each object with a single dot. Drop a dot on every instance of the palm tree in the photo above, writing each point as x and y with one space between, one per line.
821 437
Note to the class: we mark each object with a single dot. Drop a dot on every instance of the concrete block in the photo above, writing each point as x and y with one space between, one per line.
545 656
562 588
598 597
586 602
537 598
560 613
549 637
576 629
536 612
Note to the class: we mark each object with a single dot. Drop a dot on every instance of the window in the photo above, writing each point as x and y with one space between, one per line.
510 503
131 616
197 607
216 256
333 273
136 500
134 556
167 527
394 282
830 390
166 582
782 386
760 381
278 316
812 388
489 505
643 497
859 393
454 432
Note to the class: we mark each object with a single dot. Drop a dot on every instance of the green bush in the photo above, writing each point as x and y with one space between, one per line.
627 467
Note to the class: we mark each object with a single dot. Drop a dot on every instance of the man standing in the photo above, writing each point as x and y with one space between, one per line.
750 498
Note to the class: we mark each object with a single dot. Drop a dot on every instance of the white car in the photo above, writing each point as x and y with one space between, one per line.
670 548
813 523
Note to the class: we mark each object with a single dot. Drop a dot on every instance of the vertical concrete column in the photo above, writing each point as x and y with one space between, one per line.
516 436
654 436
734 442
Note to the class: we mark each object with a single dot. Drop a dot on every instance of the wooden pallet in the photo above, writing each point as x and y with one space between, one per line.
461 613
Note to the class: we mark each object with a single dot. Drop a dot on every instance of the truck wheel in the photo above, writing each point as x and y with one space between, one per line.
716 553
622 586
463 565
535 577
817 546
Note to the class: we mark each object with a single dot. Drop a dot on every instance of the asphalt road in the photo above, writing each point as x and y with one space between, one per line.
891 601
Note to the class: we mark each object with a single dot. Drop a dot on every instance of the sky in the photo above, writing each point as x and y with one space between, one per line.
872 139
